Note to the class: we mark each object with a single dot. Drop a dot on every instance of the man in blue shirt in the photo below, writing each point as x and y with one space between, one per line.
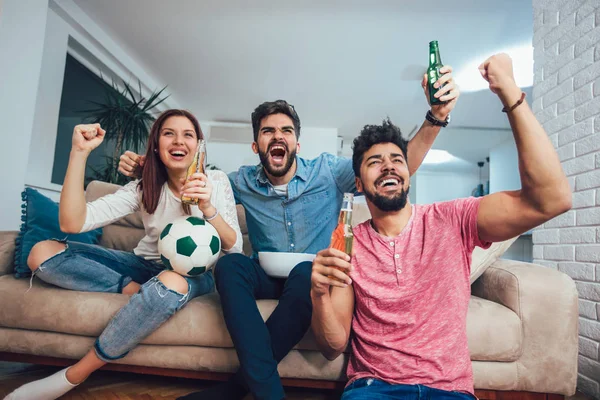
291 205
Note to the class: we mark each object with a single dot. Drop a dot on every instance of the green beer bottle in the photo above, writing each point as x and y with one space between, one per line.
433 72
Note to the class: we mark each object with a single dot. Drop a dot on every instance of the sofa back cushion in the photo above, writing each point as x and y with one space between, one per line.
123 234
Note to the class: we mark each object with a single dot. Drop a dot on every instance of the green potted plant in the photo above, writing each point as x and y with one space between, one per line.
126 118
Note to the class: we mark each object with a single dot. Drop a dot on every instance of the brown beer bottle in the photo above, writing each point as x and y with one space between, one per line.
342 237
196 166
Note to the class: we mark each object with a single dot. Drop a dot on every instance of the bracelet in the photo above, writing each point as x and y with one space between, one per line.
213 217
517 104
436 122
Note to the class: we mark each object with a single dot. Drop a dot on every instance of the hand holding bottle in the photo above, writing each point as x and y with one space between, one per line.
438 84
196 168
331 267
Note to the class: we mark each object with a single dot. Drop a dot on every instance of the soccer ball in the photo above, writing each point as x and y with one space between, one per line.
189 246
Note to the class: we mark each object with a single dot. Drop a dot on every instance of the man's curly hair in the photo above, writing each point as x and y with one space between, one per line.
371 135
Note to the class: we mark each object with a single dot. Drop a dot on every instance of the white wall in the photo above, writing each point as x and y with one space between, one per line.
520 250
314 141
43 142
441 186
230 157
504 167
22 31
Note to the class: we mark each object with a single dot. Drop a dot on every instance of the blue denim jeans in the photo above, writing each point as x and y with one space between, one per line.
91 268
374 389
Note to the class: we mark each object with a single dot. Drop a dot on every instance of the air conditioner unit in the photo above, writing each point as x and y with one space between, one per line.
231 133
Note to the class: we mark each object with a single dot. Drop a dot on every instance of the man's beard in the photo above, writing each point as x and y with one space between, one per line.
264 160
385 203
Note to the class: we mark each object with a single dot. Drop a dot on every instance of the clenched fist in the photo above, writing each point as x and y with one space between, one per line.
131 164
498 71
86 137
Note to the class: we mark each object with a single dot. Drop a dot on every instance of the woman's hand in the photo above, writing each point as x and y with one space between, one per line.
198 186
86 137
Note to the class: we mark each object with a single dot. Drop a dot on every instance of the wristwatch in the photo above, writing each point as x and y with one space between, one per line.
434 121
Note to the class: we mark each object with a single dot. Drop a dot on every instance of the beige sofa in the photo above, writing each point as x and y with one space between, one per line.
522 325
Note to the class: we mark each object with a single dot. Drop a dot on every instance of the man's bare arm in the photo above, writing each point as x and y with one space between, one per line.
420 145
545 192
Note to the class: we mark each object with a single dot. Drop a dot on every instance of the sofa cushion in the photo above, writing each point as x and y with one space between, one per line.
482 259
119 237
298 365
97 189
494 331
40 222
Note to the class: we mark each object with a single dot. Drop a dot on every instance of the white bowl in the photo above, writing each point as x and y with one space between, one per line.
279 265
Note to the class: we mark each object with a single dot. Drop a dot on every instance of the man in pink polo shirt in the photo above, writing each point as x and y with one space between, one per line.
405 292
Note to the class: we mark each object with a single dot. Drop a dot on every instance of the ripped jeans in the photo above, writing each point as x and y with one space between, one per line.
92 268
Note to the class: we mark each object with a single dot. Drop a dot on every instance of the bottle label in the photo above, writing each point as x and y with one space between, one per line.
433 75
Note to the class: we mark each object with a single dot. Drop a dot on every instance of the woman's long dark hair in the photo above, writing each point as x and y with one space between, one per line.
154 173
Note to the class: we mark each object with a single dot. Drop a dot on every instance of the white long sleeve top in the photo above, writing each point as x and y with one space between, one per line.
128 199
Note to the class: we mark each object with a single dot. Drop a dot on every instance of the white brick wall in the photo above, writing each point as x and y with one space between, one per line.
566 100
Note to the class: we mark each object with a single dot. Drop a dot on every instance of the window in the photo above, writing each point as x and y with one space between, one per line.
81 87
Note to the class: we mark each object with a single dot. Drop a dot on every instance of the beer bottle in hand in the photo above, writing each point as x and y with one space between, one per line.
196 166
433 72
342 236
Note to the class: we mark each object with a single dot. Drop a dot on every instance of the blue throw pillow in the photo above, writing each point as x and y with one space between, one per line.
40 222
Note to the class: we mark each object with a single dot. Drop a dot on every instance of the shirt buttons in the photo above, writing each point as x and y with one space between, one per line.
396 255
391 243
289 224
399 271
292 245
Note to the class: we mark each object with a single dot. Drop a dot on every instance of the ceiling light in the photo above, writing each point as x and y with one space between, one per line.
438 157
469 78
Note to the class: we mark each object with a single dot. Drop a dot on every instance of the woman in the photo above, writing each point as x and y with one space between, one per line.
157 293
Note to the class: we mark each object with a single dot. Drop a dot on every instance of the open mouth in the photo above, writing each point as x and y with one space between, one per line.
389 183
277 153
178 154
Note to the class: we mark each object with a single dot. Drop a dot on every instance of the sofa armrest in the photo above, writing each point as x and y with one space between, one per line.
7 251
546 301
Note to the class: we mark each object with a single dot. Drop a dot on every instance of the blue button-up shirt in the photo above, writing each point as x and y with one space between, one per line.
302 221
